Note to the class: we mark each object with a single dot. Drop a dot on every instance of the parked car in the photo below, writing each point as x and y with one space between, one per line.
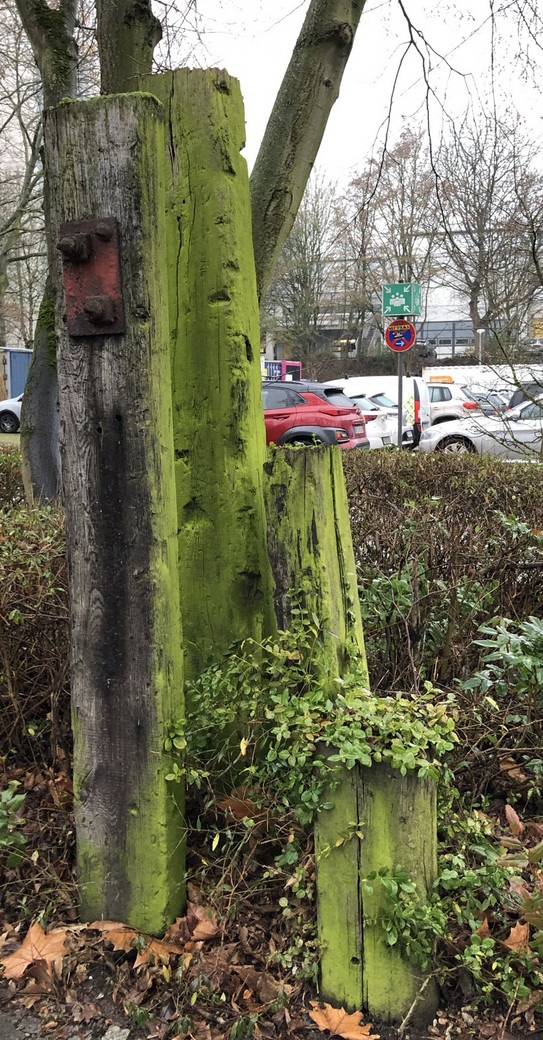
451 401
525 391
383 419
305 412
415 400
10 414
516 434
490 401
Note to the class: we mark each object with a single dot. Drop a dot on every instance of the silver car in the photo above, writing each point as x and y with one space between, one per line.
516 434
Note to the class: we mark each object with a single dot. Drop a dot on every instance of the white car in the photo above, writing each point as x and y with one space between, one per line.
10 415
450 401
517 434
381 421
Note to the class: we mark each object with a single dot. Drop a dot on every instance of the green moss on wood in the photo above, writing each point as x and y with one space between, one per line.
310 544
45 326
225 581
397 817
127 681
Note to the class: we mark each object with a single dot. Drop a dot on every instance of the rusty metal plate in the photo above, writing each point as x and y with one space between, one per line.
92 277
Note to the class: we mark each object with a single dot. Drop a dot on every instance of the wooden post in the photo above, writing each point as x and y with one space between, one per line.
397 816
104 160
310 545
220 444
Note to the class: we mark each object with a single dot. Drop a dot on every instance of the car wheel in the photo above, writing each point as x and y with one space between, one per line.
9 423
455 446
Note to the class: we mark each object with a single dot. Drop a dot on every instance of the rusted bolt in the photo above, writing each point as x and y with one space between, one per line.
104 231
99 310
75 247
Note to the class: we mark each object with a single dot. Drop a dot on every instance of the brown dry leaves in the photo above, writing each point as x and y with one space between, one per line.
47 949
339 1023
37 946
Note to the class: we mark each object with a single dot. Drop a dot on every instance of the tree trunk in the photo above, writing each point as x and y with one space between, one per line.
51 35
40 449
127 33
296 126
225 577
104 157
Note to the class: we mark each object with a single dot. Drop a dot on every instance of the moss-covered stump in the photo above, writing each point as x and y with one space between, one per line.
310 546
225 581
103 159
396 816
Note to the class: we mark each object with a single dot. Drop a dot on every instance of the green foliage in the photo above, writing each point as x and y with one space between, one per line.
294 727
442 546
11 839
11 484
34 636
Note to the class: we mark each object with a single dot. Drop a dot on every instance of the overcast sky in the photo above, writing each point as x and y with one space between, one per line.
253 40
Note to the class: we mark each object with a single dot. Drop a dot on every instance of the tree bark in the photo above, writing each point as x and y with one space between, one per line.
296 126
104 157
127 33
51 35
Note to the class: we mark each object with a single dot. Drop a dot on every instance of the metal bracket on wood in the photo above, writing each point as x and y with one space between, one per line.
92 277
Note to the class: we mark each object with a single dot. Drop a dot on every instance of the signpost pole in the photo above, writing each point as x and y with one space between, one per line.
404 300
400 399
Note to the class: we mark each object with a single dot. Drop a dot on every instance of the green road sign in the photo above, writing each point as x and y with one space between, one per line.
404 298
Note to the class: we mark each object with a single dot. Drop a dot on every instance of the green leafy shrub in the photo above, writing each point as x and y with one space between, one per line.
11 484
294 726
34 634
11 840
442 546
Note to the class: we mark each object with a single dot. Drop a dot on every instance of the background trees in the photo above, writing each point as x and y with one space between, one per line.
490 199
21 219
465 218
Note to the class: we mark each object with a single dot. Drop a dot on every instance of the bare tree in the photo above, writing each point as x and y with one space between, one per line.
295 306
288 150
491 255
21 219
386 230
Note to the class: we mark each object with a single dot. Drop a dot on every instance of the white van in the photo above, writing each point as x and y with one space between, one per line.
383 389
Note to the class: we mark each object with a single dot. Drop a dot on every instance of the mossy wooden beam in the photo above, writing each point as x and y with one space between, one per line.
396 816
310 545
400 830
104 159
225 580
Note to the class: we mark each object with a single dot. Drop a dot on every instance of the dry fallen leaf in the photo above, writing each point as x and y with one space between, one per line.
518 937
122 937
119 935
199 922
483 930
37 946
513 819
339 1023
509 766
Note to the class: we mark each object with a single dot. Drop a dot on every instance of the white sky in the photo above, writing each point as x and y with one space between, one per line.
253 40
473 61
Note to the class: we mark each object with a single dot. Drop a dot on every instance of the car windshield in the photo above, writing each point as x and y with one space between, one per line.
384 401
338 398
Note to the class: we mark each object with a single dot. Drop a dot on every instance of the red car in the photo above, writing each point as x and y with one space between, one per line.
303 412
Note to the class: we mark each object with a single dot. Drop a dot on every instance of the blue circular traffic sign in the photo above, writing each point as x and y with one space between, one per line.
400 335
